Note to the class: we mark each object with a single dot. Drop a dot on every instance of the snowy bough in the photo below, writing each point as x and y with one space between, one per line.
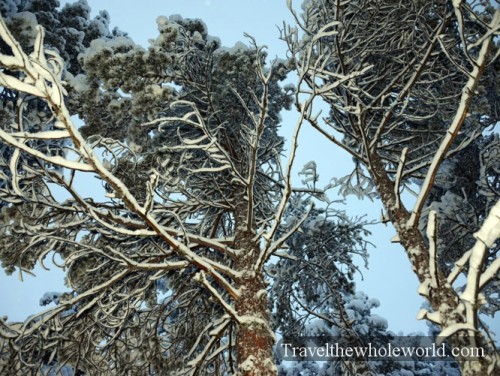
166 263
130 246
412 92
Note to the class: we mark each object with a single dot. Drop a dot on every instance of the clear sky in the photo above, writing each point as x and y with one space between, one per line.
389 278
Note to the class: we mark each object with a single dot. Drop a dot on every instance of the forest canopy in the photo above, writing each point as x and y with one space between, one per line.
197 251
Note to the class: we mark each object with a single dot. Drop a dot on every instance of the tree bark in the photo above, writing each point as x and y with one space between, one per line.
255 338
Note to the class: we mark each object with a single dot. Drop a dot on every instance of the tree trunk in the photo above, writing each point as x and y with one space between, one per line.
255 338
443 297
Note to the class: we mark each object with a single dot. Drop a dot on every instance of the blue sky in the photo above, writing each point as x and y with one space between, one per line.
389 278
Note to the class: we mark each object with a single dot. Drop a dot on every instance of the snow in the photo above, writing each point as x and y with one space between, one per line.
45 135
324 33
96 46
29 22
56 160
162 21
252 320
102 22
357 304
213 40
49 297
238 46
431 235
395 239
78 82
486 237
434 317
8 7
490 230
261 293
378 321
249 364
452 329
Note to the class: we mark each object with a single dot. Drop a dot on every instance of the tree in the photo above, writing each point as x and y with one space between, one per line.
313 283
166 265
361 328
411 88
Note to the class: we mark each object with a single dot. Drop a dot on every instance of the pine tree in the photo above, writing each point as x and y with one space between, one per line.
412 93
166 263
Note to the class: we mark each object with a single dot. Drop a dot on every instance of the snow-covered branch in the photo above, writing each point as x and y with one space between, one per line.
458 120
45 84
269 235
477 277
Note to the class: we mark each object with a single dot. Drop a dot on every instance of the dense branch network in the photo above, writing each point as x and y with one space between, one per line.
179 222
406 87
168 262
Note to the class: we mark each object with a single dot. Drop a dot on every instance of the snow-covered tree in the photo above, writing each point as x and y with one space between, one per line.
412 87
364 328
312 283
169 260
